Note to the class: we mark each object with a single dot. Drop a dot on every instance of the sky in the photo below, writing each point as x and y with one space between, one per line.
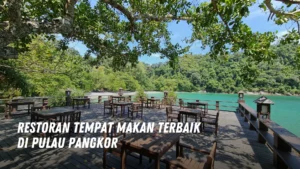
257 20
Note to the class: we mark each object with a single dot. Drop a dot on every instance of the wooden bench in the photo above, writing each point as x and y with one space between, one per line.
281 142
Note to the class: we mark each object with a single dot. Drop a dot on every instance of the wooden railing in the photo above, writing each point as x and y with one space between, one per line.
284 144
221 105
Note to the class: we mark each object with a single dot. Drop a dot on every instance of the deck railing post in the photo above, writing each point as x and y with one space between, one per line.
68 97
217 105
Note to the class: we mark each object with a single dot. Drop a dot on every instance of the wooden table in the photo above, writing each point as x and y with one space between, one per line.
189 112
122 105
152 102
13 106
195 104
51 113
78 100
150 145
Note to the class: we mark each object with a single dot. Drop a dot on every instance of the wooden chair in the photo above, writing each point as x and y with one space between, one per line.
40 108
114 151
122 99
210 119
135 108
75 117
107 105
171 115
186 163
35 118
68 117
128 99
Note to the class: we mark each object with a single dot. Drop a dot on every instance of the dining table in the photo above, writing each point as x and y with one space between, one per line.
12 106
152 145
52 113
195 105
84 100
122 105
152 102
188 112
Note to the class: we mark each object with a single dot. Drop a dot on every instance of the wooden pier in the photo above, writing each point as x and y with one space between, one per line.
238 146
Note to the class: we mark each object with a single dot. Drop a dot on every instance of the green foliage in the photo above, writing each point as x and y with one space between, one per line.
123 30
45 70
172 97
140 93
12 92
12 79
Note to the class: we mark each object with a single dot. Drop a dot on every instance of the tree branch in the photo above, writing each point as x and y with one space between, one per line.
122 9
215 6
163 18
277 12
290 1
15 28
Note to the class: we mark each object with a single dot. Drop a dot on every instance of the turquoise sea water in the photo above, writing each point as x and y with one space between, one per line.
285 111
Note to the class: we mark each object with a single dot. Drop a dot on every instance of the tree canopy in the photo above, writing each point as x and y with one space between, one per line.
126 29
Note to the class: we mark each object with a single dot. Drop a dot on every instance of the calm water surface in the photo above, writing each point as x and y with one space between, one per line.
285 111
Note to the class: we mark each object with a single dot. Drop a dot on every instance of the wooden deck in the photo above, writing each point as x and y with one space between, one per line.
237 145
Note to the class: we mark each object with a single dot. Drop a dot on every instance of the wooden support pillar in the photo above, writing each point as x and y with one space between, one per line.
280 144
251 127
261 127
253 118
278 162
246 114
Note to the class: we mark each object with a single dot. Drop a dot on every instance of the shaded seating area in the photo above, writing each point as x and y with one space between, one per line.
176 150
93 158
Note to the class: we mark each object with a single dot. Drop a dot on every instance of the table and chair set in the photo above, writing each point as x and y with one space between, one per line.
197 111
23 106
156 145
59 115
152 145
125 104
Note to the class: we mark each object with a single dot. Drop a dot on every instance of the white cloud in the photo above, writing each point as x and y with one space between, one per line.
157 55
282 33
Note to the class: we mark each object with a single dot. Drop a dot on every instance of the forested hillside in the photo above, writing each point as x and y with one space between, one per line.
45 70
231 74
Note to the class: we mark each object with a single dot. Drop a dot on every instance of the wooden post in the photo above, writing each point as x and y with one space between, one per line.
217 105
251 127
246 114
280 144
68 97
